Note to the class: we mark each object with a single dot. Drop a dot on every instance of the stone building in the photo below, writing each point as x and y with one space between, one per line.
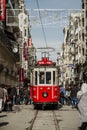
84 20
10 34
77 47
8 57
74 50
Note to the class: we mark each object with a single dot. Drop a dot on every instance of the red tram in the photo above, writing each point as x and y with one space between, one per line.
44 88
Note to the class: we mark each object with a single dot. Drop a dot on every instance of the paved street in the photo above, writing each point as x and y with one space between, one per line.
69 119
21 118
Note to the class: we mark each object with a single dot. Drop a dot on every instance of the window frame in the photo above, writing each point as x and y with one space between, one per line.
45 70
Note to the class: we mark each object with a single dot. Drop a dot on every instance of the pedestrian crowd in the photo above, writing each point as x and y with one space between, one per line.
68 95
16 95
73 95
10 96
76 96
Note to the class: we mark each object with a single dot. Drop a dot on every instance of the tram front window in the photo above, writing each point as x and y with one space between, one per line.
45 78
35 77
53 77
48 77
42 78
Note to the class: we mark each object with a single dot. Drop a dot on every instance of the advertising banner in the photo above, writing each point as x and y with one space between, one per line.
21 75
25 51
2 10
30 42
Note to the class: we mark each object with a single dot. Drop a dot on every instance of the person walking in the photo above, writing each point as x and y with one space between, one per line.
68 98
82 105
13 95
1 97
26 96
21 94
62 95
18 95
5 94
74 99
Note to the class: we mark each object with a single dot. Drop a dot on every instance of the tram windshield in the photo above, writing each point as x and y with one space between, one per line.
48 77
45 77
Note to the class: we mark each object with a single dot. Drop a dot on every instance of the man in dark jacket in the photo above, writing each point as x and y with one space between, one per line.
13 95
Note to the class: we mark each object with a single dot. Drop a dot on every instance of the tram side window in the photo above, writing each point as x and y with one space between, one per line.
53 77
48 77
42 78
35 77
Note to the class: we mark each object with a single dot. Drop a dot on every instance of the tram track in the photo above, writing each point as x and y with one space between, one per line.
32 121
56 121
44 120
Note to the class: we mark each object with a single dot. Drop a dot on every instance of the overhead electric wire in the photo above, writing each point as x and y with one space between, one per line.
41 23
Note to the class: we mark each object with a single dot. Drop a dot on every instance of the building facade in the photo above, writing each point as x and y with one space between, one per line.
75 49
8 57
14 43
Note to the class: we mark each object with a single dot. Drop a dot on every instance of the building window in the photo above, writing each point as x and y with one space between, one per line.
54 80
82 36
35 77
86 28
25 33
86 13
82 21
82 5
86 44
83 51
13 6
86 57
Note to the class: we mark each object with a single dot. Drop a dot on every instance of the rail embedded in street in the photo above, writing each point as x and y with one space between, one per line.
32 122
44 120
56 121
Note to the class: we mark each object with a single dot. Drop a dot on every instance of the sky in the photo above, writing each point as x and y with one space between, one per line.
54 18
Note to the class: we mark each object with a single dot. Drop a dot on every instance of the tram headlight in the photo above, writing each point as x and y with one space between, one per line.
45 94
